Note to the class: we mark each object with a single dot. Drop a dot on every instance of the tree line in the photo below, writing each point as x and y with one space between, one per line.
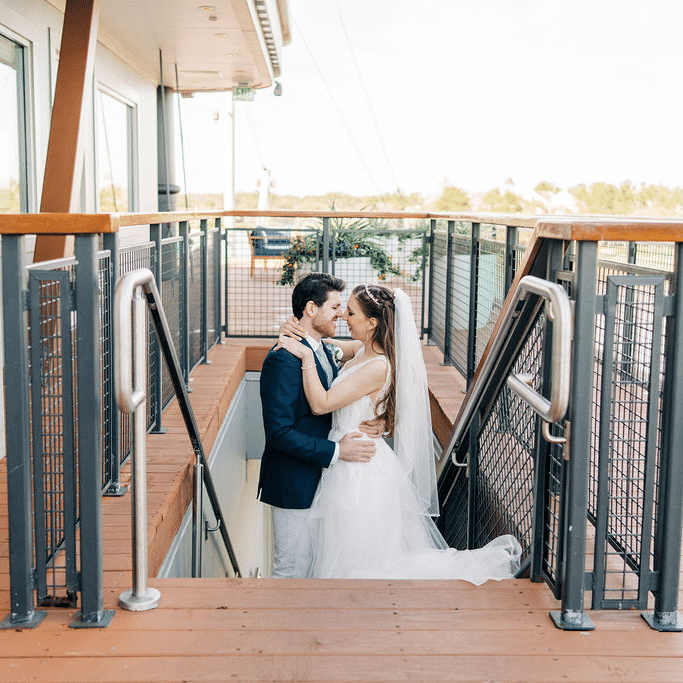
626 199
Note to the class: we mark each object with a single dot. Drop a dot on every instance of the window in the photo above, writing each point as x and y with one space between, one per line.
13 165
115 145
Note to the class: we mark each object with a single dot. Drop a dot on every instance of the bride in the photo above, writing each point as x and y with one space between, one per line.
374 520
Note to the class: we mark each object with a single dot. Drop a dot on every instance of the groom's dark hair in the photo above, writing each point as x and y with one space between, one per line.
314 287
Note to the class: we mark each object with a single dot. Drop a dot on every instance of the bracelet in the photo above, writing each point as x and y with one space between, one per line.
308 367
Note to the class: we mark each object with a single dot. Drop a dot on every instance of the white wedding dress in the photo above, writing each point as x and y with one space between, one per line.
366 520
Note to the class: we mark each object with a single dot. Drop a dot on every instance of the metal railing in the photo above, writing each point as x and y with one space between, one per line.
603 466
611 465
131 394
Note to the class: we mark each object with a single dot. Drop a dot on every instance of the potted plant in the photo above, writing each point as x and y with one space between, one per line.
351 239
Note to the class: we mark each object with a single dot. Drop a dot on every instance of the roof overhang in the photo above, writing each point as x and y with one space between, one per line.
208 47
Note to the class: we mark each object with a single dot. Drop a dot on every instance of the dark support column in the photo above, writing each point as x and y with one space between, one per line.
23 613
92 613
206 306
668 532
216 252
573 577
425 241
449 294
61 183
430 293
326 245
474 284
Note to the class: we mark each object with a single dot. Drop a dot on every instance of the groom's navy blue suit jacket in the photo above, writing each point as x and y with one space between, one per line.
297 448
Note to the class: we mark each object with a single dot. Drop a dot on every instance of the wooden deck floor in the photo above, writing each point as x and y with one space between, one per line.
296 630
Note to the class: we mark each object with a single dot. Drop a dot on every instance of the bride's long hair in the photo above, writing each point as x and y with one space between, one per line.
377 301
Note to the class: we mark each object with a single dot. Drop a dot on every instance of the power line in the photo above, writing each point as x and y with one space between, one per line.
336 106
368 102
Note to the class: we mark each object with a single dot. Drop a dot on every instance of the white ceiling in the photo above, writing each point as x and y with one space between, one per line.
213 46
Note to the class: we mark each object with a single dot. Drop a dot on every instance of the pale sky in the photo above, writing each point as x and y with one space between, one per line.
462 92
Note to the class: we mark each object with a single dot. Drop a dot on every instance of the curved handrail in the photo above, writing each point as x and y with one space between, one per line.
130 381
559 312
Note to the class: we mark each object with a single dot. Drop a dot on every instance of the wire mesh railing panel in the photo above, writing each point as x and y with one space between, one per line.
654 255
213 315
259 294
505 458
130 259
106 365
402 268
454 519
196 297
173 296
54 413
490 291
257 302
461 248
437 322
628 422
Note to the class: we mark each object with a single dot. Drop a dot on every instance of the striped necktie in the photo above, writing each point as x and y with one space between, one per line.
322 356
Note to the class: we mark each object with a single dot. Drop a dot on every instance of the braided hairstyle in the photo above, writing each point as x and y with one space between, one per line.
377 301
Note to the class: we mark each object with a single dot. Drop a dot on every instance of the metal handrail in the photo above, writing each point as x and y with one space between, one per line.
130 381
560 313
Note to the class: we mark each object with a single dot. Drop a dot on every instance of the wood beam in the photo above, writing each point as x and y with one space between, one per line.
61 183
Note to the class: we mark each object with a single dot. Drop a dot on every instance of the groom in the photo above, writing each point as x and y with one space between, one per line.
297 448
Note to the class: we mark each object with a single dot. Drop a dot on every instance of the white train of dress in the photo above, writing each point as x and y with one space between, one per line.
366 522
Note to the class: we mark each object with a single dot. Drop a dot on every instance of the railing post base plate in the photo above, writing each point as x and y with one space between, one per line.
31 622
572 621
140 603
665 621
103 620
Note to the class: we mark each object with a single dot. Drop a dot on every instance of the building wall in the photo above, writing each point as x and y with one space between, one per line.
38 26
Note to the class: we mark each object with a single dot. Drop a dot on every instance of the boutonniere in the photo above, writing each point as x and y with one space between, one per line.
337 354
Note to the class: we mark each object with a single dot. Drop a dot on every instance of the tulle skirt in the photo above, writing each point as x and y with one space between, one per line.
365 522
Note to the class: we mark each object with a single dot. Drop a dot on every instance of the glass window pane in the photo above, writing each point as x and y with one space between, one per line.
12 133
114 154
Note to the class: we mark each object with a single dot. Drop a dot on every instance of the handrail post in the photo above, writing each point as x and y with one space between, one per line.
572 617
22 604
133 399
92 613
197 519
670 503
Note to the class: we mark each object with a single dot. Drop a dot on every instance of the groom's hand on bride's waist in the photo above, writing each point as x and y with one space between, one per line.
375 429
356 447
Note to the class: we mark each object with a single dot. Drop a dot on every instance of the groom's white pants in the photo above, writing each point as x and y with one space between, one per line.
287 537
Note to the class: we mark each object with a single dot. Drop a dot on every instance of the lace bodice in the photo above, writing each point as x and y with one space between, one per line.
348 418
